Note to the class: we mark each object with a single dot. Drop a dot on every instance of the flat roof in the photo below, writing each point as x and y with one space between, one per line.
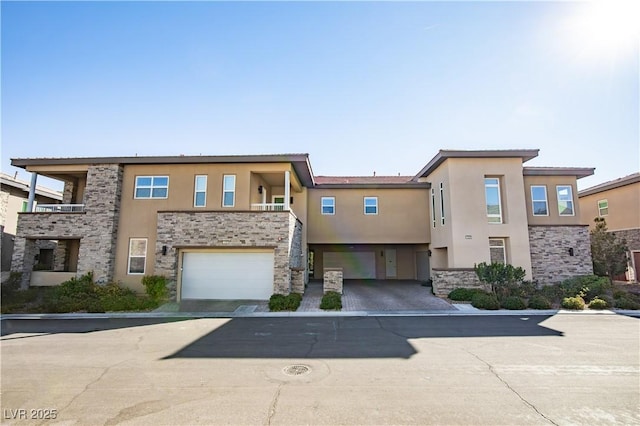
444 154
612 184
578 172
300 162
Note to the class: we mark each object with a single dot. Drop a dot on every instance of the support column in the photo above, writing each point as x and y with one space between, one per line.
32 192
287 189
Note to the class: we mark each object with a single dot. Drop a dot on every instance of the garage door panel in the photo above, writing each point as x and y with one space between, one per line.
227 275
355 265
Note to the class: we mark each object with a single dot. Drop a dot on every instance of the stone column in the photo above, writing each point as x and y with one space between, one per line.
60 256
24 257
332 280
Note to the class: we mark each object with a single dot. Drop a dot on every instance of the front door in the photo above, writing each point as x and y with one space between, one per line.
390 261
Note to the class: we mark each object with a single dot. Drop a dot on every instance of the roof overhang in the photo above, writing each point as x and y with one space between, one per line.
444 154
25 187
578 172
409 185
612 184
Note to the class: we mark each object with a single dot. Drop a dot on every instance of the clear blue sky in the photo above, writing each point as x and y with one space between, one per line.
360 86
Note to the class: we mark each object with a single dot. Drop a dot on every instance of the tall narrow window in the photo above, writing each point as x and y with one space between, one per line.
137 255
539 200
565 200
433 207
328 205
441 203
603 208
492 195
370 205
24 206
200 191
497 250
228 190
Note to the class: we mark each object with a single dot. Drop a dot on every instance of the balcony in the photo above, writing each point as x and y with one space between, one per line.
268 207
59 208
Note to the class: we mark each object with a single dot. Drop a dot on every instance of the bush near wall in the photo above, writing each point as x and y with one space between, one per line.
331 300
280 302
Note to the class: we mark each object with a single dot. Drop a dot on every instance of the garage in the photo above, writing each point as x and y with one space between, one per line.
227 275
355 265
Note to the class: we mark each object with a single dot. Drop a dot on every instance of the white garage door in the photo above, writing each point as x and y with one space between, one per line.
227 275
355 265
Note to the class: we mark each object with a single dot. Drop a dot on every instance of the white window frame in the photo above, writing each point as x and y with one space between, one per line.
573 206
606 201
433 207
226 190
146 248
197 191
503 246
534 201
332 205
375 206
488 186
441 204
150 187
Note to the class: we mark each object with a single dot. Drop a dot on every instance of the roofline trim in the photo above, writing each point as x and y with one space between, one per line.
612 184
408 185
578 172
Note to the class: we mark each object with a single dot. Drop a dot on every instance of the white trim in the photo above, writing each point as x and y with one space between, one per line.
433 207
150 187
441 204
333 206
364 205
232 191
146 248
503 247
573 204
605 200
492 186
196 191
533 200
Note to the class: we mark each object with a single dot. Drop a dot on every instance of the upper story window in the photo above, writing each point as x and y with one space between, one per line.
603 208
492 195
370 205
152 187
441 203
433 207
137 256
328 205
200 191
565 200
228 190
539 200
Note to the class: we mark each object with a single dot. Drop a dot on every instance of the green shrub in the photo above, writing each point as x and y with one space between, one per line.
576 303
156 287
585 286
11 284
503 278
513 303
464 293
626 303
597 303
280 302
553 293
485 301
538 301
331 301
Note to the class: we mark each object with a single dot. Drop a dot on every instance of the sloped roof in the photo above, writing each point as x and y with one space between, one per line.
8 180
612 184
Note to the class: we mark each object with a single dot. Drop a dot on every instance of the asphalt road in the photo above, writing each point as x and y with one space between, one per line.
579 368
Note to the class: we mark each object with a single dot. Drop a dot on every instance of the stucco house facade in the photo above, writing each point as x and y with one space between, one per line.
618 202
245 227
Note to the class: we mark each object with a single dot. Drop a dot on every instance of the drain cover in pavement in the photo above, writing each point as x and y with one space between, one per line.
296 370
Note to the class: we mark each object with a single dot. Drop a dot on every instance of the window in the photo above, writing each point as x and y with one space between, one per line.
152 187
492 195
228 190
200 191
25 204
328 205
497 252
603 208
370 205
539 200
441 203
137 255
565 200
433 207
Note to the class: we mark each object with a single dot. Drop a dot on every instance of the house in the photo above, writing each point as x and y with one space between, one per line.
245 227
618 202
14 198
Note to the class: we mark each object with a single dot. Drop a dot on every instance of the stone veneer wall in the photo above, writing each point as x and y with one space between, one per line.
96 227
297 280
4 205
332 280
551 262
631 236
445 280
228 230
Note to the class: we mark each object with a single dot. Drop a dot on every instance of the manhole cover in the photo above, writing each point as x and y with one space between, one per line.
296 370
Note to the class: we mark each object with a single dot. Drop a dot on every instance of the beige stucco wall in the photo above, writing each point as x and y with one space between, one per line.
441 237
554 218
624 207
138 217
401 217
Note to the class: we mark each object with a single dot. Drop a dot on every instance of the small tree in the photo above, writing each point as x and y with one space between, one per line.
608 252
501 277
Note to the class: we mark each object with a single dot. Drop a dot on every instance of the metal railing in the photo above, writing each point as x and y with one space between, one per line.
59 208
268 207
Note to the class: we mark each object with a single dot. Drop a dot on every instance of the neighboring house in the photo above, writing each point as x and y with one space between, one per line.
14 196
618 202
245 227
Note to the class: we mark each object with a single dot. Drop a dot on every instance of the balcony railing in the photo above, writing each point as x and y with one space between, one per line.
59 208
268 207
